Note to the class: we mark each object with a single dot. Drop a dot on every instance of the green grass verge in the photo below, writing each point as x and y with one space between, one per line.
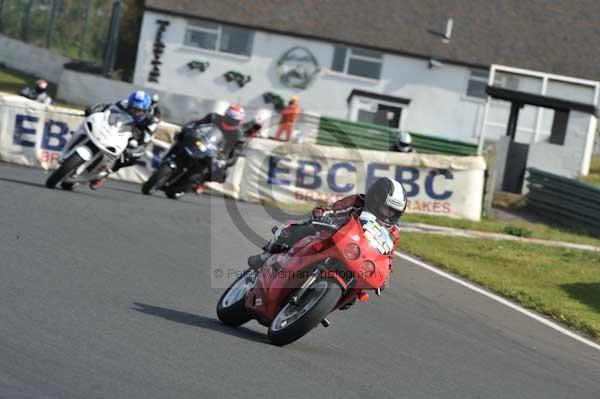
561 283
517 228
594 176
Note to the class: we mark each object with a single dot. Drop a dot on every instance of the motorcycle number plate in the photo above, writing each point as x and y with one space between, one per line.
377 235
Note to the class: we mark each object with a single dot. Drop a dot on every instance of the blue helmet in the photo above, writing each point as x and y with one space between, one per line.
138 105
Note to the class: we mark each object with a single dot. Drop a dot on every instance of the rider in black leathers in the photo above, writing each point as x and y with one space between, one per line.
230 124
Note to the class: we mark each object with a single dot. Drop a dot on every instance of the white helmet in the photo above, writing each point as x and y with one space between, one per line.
386 199
404 142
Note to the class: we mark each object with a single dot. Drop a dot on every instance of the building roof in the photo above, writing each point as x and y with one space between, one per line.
560 36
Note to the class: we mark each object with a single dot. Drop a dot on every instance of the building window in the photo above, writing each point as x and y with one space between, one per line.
385 115
357 62
218 37
477 82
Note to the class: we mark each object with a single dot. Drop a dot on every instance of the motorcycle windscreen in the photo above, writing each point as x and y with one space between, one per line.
212 138
120 117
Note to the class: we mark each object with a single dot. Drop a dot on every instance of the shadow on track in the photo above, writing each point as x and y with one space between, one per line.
200 321
187 199
24 182
585 293
57 189
135 190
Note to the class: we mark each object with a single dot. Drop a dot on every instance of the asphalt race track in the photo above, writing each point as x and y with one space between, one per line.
109 294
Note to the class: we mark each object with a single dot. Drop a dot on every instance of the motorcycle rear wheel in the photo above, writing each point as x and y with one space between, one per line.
68 166
173 194
294 321
157 180
231 309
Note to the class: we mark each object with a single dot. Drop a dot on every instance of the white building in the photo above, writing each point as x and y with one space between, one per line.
422 66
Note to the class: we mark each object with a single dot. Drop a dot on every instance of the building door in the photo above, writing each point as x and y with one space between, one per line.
516 163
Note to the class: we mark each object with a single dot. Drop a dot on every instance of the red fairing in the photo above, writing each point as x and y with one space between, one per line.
355 271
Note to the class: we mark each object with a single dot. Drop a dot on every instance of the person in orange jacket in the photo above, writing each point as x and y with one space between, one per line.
289 115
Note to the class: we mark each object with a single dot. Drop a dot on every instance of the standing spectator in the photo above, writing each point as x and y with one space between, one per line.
288 119
38 93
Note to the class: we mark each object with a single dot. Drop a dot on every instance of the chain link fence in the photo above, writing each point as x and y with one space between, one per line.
78 29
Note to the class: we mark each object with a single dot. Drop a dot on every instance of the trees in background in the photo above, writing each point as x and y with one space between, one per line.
129 34
79 29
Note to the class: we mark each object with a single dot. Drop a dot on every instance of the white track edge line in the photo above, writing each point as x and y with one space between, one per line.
501 300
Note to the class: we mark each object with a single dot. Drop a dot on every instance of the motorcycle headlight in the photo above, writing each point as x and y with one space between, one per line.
367 268
200 145
352 251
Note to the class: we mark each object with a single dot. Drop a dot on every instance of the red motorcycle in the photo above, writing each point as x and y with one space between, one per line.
295 291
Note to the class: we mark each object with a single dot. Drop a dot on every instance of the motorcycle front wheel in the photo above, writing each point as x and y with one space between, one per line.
68 166
231 309
157 180
295 320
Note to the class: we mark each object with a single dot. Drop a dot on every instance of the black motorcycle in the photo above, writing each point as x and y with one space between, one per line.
188 163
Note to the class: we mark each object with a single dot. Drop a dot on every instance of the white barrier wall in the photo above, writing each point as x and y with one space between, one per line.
34 134
30 59
288 173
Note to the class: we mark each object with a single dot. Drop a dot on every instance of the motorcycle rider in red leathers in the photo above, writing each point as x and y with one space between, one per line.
386 199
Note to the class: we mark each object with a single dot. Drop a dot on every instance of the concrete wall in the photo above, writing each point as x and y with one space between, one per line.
501 153
588 151
31 59
571 159
439 104
87 89
498 116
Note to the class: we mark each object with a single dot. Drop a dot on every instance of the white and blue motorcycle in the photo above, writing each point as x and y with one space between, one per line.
94 148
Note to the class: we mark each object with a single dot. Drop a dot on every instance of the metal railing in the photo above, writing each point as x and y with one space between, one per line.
342 133
566 201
